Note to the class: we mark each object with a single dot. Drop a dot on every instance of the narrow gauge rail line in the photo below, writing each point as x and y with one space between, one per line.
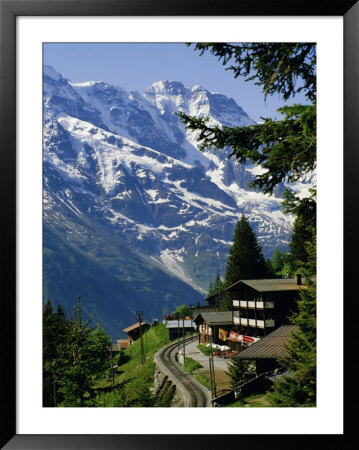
198 395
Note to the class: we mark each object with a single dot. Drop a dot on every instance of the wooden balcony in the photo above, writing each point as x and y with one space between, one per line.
252 304
269 323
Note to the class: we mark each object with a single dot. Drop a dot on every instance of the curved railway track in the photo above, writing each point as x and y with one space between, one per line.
196 394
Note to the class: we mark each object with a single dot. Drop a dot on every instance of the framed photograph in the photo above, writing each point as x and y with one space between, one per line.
62 64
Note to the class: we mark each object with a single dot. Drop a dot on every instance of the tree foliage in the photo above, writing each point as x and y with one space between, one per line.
304 228
298 387
278 259
215 291
245 259
286 149
54 333
76 357
182 311
275 66
236 370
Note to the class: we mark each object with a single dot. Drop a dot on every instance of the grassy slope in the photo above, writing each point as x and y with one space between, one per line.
192 366
134 381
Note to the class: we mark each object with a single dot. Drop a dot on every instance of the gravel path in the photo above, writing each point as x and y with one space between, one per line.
220 365
192 351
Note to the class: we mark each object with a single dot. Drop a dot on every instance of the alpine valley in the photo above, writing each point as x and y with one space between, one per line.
134 215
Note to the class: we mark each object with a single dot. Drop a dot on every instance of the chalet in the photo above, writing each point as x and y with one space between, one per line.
178 328
115 349
266 351
261 306
210 322
123 343
134 331
119 346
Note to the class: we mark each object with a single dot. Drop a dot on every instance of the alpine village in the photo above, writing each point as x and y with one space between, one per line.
250 340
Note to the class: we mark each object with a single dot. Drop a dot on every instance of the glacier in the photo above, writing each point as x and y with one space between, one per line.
120 168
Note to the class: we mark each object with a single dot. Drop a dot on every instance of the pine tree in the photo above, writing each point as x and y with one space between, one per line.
304 228
215 290
298 387
236 370
48 337
270 270
82 359
285 148
245 259
278 260
55 330
217 285
301 235
210 289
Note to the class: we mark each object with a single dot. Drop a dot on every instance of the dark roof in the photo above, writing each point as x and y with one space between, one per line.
214 317
179 323
268 285
133 327
271 346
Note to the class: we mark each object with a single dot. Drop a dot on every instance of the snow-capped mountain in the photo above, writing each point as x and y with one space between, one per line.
121 164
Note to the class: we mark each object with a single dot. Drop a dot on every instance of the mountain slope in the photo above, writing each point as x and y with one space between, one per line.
113 280
121 173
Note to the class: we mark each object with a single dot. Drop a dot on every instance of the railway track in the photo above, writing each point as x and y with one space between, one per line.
196 394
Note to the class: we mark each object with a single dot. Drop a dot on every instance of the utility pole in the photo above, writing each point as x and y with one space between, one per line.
211 370
79 311
112 372
184 353
139 315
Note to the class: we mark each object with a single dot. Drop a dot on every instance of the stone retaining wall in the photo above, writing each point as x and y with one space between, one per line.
164 380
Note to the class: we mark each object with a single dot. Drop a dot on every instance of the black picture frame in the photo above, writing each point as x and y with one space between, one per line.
9 10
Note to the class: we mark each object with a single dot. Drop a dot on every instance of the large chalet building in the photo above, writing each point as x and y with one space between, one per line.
261 306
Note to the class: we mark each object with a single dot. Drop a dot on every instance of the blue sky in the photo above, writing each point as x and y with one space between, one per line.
136 66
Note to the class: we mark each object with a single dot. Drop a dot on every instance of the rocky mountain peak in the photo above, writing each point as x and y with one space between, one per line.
123 176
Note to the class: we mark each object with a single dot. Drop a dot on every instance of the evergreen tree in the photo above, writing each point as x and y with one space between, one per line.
210 290
82 359
245 260
298 387
55 331
278 260
300 236
270 270
215 290
236 370
285 148
217 285
48 337
304 228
